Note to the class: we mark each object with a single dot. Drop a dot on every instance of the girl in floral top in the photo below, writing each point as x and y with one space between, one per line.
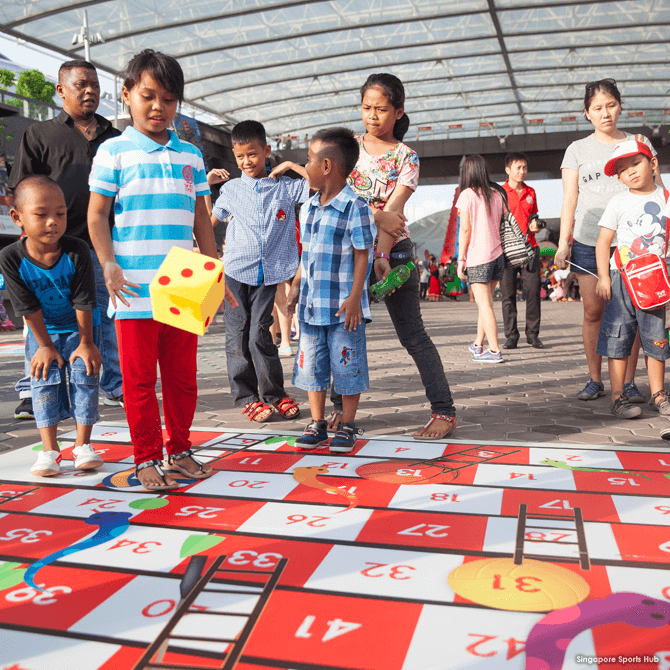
386 175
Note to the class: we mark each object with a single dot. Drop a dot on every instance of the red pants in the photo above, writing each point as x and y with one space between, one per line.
142 344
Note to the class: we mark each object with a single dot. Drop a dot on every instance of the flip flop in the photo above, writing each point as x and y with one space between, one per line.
433 418
172 461
156 464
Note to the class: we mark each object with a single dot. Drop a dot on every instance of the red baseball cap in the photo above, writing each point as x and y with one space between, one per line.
624 150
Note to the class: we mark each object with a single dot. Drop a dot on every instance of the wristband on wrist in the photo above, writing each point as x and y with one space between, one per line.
378 254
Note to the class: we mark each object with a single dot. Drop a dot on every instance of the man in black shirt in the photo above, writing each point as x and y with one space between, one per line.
63 149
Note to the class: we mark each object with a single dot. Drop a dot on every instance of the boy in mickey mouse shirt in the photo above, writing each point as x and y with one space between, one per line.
638 219
261 252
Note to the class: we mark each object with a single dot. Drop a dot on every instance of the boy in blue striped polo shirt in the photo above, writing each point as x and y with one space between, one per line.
337 230
261 253
157 185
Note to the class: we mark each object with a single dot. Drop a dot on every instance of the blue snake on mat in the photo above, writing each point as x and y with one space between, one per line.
110 525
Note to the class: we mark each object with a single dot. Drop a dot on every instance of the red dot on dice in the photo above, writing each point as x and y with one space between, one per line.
220 277
187 272
164 280
174 310
209 265
207 322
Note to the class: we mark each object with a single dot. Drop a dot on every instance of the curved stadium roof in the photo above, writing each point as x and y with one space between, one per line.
489 66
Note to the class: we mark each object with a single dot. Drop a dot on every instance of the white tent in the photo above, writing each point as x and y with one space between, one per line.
429 233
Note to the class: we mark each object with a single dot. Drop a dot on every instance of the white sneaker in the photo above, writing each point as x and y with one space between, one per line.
47 465
86 458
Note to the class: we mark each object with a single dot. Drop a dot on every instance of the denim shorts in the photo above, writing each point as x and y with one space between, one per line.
621 322
483 274
583 255
326 349
51 403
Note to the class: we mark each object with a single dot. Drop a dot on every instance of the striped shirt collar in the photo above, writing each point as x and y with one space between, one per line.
145 143
339 202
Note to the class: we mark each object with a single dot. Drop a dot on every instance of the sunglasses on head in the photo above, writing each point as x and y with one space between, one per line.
596 84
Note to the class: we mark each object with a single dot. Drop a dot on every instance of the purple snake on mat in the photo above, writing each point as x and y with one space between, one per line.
549 639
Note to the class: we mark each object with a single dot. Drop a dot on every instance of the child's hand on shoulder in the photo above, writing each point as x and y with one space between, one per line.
217 175
42 360
352 312
604 288
117 284
281 169
91 356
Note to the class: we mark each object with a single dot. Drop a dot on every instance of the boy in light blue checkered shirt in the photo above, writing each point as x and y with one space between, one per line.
337 231
261 253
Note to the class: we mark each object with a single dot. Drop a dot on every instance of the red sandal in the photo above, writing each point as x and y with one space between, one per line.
254 410
286 405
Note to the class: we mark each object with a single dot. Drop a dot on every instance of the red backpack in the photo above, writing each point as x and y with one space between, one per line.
646 277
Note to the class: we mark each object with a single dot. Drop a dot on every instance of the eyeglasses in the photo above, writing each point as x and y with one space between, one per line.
596 84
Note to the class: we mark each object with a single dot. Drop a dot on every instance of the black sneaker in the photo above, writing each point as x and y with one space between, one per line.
344 440
314 436
25 410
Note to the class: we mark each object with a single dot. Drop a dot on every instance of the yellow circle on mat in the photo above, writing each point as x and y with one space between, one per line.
534 586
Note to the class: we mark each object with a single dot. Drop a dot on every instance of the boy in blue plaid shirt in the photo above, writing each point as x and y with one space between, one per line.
337 231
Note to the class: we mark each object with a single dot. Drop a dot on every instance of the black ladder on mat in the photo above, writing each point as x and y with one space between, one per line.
232 656
575 524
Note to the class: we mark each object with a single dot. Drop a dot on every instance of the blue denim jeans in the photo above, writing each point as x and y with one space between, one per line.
51 403
254 370
333 348
110 381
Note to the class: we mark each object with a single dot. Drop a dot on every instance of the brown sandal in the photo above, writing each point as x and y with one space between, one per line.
334 420
172 461
254 411
435 417
286 405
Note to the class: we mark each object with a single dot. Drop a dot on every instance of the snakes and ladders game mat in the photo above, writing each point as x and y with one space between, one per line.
402 555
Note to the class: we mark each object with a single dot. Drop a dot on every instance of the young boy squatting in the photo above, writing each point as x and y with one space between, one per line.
51 283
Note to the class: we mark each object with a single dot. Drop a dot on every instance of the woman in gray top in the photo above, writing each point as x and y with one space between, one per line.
586 192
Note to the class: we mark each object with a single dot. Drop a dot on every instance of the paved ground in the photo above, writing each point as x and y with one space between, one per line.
529 398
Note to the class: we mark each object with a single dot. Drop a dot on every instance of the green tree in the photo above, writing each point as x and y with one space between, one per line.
32 84
6 80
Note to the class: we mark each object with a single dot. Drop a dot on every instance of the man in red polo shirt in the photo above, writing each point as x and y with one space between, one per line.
523 204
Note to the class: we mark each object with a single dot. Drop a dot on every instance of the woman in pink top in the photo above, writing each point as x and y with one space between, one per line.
481 261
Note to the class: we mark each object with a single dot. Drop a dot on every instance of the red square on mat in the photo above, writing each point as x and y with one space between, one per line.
257 462
11 490
216 514
368 493
641 461
74 593
482 453
595 507
34 536
33 499
263 553
334 631
110 453
623 641
643 543
621 484
425 529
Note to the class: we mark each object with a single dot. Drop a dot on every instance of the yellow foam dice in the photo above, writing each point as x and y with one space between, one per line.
187 290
